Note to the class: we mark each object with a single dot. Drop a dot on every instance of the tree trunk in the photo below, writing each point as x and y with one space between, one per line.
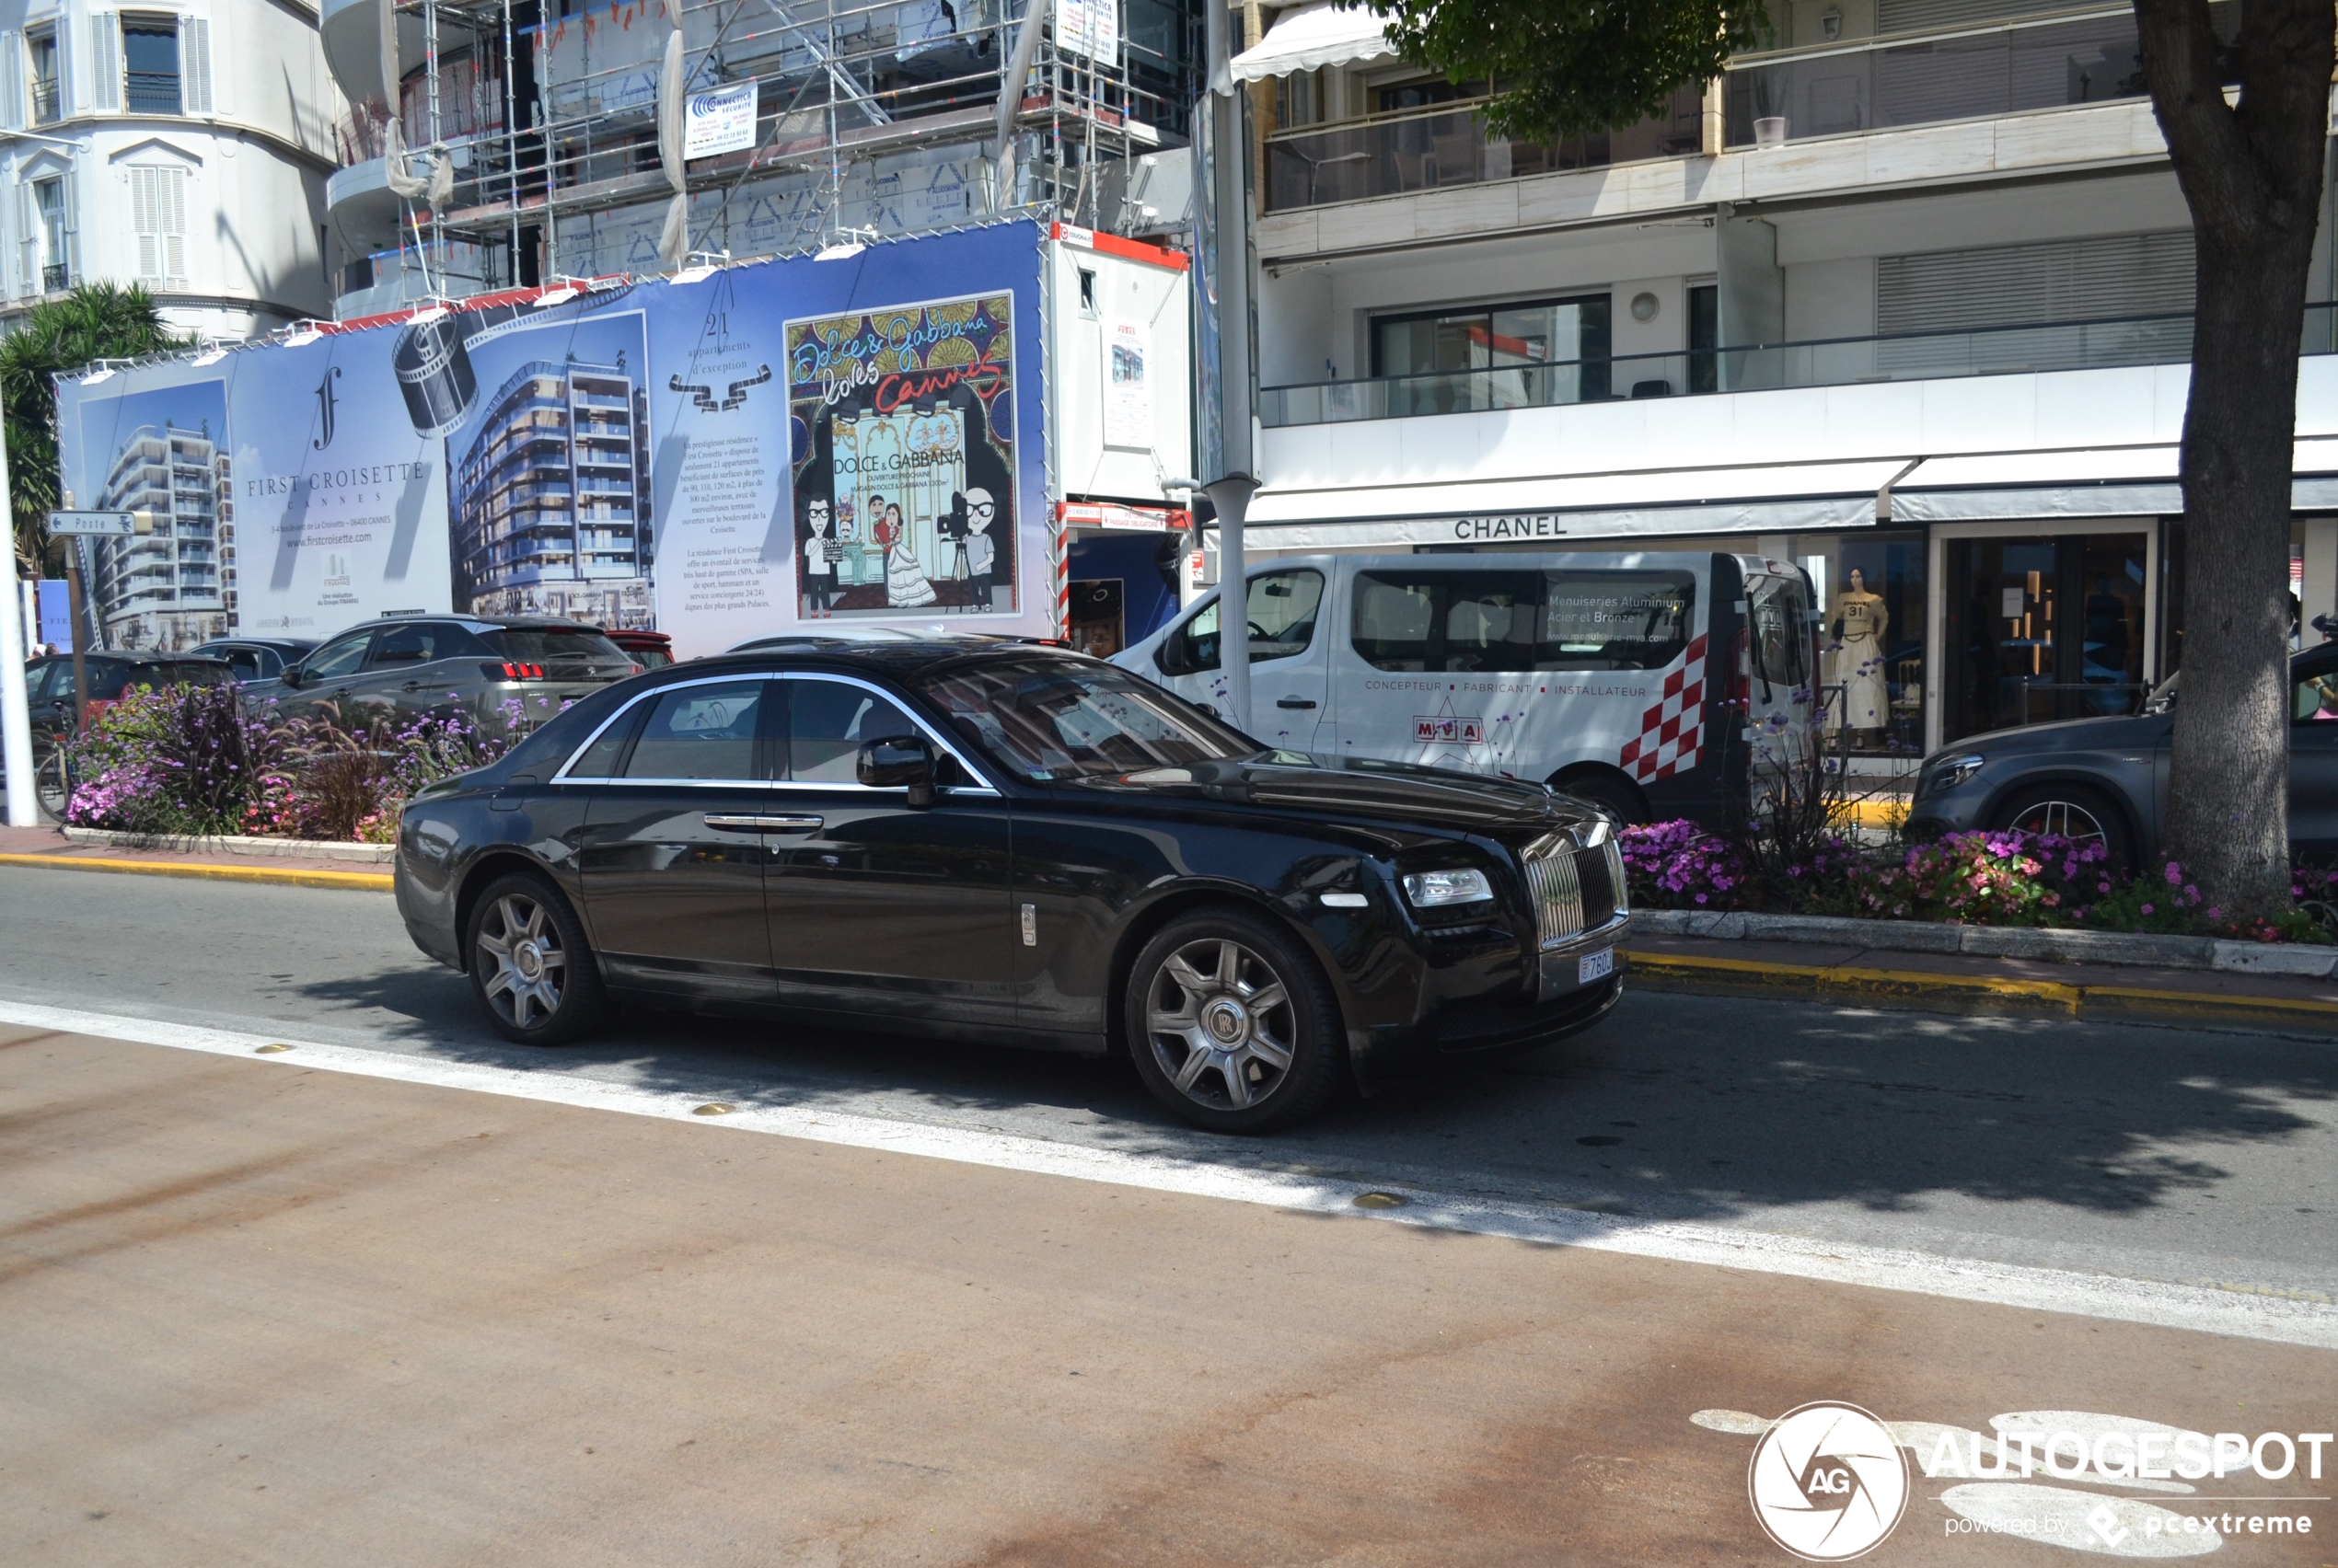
2252 174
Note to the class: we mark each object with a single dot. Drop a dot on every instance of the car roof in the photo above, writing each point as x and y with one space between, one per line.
898 660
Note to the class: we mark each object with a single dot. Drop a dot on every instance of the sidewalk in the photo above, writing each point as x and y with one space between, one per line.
47 846
1977 983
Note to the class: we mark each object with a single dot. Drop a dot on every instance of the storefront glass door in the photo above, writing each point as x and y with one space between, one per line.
2042 628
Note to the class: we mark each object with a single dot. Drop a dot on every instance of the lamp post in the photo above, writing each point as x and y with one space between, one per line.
1229 466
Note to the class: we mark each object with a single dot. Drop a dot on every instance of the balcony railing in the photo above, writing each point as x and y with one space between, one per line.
1839 362
55 278
152 92
1996 69
47 108
1434 149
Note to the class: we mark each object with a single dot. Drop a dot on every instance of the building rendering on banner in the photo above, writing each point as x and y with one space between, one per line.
1903 297
551 500
184 150
175 587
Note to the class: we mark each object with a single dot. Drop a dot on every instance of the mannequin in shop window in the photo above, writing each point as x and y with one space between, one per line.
1858 624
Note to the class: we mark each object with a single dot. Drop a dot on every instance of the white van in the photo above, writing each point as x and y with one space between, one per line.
1640 681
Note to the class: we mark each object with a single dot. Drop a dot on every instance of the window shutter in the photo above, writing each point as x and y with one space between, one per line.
12 81
194 62
171 207
2004 285
143 223
105 61
27 242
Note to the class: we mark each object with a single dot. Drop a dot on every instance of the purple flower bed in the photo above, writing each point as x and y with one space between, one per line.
1994 879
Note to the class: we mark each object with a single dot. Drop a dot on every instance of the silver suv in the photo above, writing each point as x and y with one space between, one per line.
490 667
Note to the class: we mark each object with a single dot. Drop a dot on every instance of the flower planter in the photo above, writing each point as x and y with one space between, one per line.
275 848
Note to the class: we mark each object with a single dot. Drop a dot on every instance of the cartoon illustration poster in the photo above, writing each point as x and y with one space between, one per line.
903 420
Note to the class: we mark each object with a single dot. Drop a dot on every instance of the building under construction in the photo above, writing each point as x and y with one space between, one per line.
520 141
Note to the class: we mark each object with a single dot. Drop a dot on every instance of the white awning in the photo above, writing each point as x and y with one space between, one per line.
1310 39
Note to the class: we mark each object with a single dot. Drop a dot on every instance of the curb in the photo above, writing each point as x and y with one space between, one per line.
371 881
263 848
1982 994
2056 945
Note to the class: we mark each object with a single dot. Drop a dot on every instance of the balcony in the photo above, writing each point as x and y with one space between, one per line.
1841 362
1429 150
48 108
55 278
1997 69
152 92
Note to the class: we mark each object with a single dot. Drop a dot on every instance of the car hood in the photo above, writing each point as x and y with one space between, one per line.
1360 786
2069 735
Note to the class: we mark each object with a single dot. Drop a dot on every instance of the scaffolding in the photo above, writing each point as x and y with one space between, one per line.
871 119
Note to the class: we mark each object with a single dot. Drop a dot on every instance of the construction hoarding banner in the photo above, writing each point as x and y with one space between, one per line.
768 446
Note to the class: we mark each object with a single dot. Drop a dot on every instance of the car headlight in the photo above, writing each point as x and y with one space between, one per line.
1951 771
1435 890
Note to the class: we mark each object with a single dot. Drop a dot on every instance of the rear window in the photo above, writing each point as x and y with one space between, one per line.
542 645
1518 621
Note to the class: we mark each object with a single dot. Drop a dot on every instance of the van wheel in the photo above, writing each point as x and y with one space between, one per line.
1608 791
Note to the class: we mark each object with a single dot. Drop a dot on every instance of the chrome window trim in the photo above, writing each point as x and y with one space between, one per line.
983 787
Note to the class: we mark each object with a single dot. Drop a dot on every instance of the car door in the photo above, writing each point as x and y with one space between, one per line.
417 666
1290 684
674 848
879 911
329 677
2313 757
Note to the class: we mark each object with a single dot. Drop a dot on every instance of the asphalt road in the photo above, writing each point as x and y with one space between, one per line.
2183 1156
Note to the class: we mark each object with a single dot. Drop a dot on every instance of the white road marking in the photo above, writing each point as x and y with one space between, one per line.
2202 1311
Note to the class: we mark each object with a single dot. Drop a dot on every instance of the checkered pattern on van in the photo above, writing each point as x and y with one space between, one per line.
1672 735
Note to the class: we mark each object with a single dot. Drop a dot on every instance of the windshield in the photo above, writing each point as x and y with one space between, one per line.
1049 718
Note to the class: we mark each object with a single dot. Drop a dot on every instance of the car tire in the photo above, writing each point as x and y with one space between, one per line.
2071 811
1206 1045
1607 791
530 965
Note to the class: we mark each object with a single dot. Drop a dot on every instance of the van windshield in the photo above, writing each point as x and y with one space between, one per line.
1479 621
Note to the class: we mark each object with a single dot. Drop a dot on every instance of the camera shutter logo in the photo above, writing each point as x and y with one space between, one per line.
1828 1482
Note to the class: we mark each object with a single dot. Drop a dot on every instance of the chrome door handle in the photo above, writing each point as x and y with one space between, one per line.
790 823
725 823
1293 702
759 823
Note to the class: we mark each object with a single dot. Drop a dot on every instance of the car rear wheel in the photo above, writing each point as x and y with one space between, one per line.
2072 812
1232 1025
530 966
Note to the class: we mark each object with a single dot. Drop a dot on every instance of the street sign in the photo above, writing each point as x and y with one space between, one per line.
100 525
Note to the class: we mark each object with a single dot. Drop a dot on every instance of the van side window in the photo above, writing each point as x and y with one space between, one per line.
1616 620
1507 622
1282 623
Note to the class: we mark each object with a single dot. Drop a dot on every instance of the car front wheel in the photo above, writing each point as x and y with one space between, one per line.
1232 1025
2073 812
529 965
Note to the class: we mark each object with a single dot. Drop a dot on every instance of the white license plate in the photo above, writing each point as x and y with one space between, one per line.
1594 966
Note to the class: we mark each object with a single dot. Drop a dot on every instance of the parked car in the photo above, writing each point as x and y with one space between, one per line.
256 658
651 650
408 665
48 696
1014 844
1631 680
2106 779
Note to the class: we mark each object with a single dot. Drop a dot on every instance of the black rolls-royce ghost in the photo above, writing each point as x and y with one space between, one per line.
1005 842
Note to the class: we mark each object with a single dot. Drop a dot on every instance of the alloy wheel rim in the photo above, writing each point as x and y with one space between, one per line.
1221 1024
519 939
2061 818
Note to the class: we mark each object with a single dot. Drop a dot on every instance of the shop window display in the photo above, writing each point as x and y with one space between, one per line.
1872 589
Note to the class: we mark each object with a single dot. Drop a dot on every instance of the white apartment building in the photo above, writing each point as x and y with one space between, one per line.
183 146
1906 294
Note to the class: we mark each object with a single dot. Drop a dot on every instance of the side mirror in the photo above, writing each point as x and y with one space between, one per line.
290 675
896 761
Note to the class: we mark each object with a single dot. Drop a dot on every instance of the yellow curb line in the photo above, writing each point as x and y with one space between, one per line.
372 881
1873 814
1880 984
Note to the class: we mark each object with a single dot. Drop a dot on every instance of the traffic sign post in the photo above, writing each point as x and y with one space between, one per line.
77 526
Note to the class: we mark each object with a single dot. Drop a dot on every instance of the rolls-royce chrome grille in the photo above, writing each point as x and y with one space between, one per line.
1577 888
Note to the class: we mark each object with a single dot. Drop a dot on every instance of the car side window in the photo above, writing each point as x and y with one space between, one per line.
1393 620
245 662
1282 624
338 657
417 642
828 721
2314 699
700 732
42 683
600 759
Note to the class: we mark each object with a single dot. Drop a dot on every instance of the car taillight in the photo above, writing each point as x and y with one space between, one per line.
635 670
510 671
